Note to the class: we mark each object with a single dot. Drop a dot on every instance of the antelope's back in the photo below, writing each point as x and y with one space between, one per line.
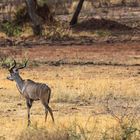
35 90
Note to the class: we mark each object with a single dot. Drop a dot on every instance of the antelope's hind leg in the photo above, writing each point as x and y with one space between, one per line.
47 108
29 105
46 114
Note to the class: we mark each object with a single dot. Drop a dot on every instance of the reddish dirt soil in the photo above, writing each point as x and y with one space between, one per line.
128 53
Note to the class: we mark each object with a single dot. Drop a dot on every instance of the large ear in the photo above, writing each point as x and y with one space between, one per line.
13 66
24 65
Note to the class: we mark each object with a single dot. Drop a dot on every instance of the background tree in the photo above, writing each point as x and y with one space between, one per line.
76 13
32 11
38 14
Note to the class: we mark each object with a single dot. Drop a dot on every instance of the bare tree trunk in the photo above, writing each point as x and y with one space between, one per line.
32 7
77 12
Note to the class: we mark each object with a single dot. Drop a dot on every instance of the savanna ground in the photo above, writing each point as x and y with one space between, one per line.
95 93
92 68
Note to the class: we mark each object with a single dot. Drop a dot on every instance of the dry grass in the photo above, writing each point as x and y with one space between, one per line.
78 93
90 102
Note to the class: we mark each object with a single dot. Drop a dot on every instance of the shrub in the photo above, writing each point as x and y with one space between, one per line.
10 28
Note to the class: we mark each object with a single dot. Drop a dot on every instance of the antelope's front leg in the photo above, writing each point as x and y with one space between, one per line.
29 105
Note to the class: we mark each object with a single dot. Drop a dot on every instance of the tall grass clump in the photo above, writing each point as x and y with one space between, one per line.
42 133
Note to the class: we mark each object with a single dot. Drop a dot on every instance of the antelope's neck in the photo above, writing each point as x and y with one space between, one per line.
20 84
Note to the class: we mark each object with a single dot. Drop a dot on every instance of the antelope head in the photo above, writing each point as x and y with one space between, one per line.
14 70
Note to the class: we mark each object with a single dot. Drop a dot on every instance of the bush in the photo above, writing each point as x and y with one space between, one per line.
4 60
10 28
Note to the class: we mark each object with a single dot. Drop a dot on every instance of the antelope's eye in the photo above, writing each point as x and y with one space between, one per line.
15 71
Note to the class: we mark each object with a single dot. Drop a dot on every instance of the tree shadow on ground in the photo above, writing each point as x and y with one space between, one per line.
100 24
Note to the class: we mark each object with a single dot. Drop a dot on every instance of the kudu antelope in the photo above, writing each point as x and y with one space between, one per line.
31 90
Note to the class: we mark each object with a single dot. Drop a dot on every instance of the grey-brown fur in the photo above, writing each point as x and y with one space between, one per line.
31 91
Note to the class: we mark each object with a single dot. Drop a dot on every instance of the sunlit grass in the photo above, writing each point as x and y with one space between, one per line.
72 88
